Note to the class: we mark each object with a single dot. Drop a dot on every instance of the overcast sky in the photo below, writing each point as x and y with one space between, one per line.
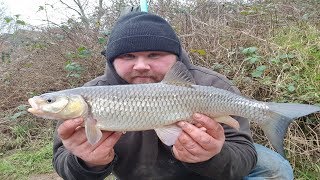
28 10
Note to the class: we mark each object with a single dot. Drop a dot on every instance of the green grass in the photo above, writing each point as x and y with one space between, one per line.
301 72
308 171
24 163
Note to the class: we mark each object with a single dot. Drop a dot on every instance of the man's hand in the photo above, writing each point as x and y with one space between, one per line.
199 142
74 139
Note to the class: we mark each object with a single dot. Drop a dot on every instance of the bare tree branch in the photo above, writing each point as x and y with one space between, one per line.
81 13
70 7
84 18
100 13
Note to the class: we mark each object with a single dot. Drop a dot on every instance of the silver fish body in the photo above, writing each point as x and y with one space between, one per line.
160 105
149 106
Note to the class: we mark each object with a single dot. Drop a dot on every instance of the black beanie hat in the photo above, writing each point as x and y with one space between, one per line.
141 31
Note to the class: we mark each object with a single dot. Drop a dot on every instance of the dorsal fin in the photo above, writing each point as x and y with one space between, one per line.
179 75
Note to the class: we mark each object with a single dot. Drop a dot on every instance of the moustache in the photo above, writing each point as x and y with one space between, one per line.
134 75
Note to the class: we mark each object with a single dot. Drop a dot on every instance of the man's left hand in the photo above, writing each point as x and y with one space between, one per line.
199 142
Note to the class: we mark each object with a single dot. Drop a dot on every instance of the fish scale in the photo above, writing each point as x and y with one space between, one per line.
159 106
131 106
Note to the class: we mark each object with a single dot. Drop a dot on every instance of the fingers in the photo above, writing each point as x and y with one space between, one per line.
68 128
213 128
188 150
182 154
201 137
103 153
108 143
77 139
85 143
74 138
199 142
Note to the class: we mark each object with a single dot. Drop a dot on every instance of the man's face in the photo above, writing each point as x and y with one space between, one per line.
144 67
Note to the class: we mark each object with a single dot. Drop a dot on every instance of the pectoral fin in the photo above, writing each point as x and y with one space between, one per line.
93 133
168 134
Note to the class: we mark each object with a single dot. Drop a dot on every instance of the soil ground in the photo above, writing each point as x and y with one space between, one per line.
51 176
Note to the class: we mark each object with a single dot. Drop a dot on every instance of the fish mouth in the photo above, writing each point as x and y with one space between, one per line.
34 107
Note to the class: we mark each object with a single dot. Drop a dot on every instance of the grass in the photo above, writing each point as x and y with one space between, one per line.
302 42
302 146
26 146
308 172
25 162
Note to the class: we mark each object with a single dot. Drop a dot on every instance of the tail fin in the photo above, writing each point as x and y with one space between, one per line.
281 115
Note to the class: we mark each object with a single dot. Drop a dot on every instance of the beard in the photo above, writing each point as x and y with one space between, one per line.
143 78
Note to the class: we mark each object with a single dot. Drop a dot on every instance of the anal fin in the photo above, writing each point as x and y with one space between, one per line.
168 134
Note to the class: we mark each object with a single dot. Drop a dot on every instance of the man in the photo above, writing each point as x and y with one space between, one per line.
142 48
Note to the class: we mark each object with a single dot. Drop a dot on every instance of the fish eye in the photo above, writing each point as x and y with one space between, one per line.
50 100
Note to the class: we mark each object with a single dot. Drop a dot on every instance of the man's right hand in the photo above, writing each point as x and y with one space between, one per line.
74 139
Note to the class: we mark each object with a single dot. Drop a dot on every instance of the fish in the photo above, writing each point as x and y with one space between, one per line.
159 106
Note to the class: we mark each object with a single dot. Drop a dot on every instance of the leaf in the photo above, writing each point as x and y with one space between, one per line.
76 75
201 52
275 60
41 8
256 74
21 22
70 55
244 13
291 88
248 12
261 68
253 59
258 71
8 19
249 50
286 56
102 40
22 107
18 114
83 52
217 66
73 66
305 17
81 48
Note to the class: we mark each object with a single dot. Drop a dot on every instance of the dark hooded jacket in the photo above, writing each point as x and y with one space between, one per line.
141 155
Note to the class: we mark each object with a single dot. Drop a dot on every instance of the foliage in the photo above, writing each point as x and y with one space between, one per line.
301 61
74 69
13 23
22 110
6 57
23 163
